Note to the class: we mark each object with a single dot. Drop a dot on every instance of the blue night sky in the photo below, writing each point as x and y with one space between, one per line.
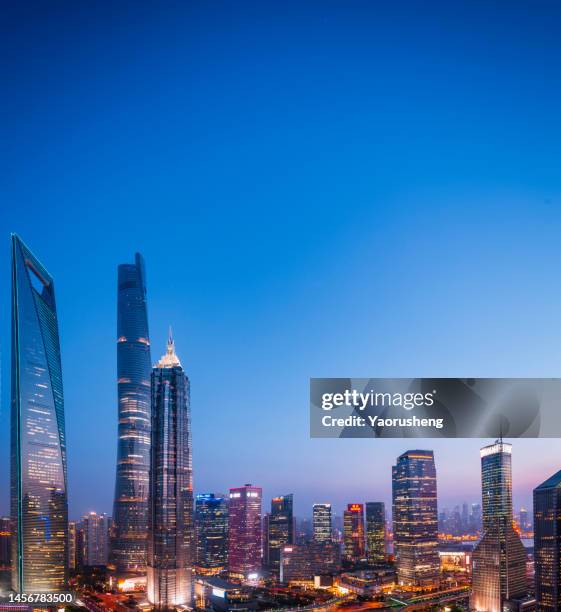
319 189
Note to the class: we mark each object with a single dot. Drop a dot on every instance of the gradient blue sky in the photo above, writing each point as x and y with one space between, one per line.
319 189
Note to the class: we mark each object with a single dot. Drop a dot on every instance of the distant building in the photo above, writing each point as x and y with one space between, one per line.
375 532
72 545
280 529
211 521
321 519
265 539
171 536
95 539
244 531
353 533
499 559
524 520
301 562
547 544
415 519
5 553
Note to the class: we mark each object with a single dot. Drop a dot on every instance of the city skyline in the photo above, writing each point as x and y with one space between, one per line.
304 508
382 209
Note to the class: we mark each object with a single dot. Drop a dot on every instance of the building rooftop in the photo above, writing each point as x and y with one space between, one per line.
170 359
551 483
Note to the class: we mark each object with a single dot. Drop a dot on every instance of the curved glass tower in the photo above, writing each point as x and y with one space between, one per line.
38 445
130 510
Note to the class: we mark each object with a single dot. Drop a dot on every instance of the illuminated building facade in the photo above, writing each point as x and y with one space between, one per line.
280 529
321 519
72 545
499 559
523 520
547 544
244 531
301 562
39 505
375 532
170 499
415 519
353 533
95 539
5 553
211 524
130 509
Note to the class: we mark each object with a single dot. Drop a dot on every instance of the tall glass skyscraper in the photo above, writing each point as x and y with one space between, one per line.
415 519
170 500
280 529
321 518
211 525
130 510
499 559
375 532
244 531
354 543
95 538
547 544
38 445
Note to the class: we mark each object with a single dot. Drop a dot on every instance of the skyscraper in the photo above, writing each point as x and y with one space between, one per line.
353 533
524 520
211 523
547 544
170 499
244 531
95 539
281 529
5 553
38 445
72 531
130 509
321 518
375 532
415 519
499 559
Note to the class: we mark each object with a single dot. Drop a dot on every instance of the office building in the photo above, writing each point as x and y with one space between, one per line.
130 508
301 562
415 520
5 553
72 545
321 520
499 559
244 532
171 534
524 520
547 544
211 526
95 540
39 507
375 532
353 533
280 529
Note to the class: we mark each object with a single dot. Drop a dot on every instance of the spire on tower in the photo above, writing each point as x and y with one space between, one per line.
170 359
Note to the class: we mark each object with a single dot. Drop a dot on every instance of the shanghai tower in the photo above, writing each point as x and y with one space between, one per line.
39 504
130 510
